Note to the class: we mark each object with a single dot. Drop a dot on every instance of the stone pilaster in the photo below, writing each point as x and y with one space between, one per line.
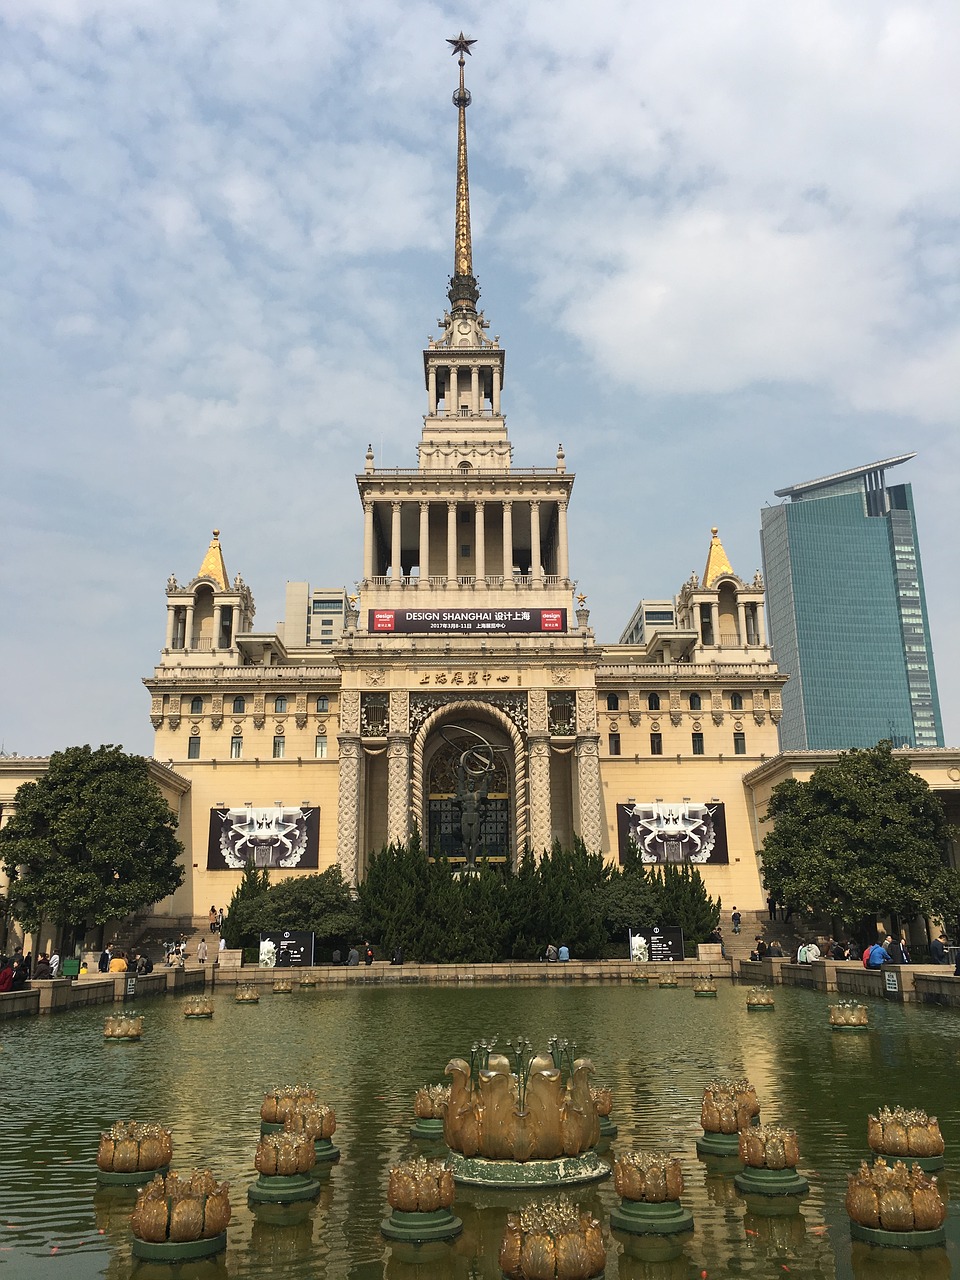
398 787
538 764
348 807
590 794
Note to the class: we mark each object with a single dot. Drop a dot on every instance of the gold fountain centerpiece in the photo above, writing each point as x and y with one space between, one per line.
523 1118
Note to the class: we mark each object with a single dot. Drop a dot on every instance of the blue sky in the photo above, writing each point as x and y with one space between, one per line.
719 243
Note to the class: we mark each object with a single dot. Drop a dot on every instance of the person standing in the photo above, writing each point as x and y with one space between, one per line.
202 951
938 950
735 918
213 918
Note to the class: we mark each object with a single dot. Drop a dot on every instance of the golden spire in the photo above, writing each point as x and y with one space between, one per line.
463 286
717 562
213 566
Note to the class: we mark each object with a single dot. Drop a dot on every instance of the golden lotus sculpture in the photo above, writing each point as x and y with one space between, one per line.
880 1197
430 1101
760 998
179 1210
283 1100
767 1146
420 1186
527 1109
652 1177
316 1120
552 1239
848 1013
247 993
899 1132
284 1154
128 1147
728 1106
122 1026
282 986
704 986
198 1007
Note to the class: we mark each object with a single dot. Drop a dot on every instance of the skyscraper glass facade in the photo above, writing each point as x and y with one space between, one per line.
847 614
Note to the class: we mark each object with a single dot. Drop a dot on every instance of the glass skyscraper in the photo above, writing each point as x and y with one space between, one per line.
847 613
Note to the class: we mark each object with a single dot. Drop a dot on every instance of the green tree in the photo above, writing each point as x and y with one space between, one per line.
241 924
90 841
864 837
321 904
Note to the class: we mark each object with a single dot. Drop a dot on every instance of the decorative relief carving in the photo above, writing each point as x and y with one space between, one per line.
399 710
195 730
697 726
348 808
537 710
655 726
463 678
300 715
716 705
562 713
590 793
216 711
586 710
259 711
634 707
375 675
237 730
350 711
759 710
513 705
676 714
174 719
560 675
398 787
156 710
374 715
538 764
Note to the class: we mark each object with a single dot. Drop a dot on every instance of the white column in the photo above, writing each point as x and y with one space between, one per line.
348 806
475 388
188 628
432 389
479 546
536 568
367 541
508 542
234 624
398 787
217 623
563 560
761 624
424 541
451 544
171 619
715 620
495 400
742 621
396 571
453 396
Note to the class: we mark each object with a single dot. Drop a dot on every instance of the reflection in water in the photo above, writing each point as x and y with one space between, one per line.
367 1050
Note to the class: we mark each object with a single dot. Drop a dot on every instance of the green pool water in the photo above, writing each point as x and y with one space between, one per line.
366 1050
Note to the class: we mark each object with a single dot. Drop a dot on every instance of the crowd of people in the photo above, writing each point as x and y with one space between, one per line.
874 956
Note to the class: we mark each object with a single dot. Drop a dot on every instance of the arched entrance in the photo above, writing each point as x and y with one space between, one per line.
440 781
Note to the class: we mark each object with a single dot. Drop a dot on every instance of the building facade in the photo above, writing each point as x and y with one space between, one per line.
463 693
848 614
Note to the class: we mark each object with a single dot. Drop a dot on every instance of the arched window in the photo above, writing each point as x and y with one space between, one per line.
653 702
613 702
696 703
279 704
196 706
239 706
736 702
323 703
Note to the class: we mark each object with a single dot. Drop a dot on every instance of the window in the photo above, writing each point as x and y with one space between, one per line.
196 706
279 704
239 706
736 702
696 702
653 702
236 748
614 744
656 744
739 744
279 747
464 549
697 743
464 515
321 746
613 702
193 749
323 702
